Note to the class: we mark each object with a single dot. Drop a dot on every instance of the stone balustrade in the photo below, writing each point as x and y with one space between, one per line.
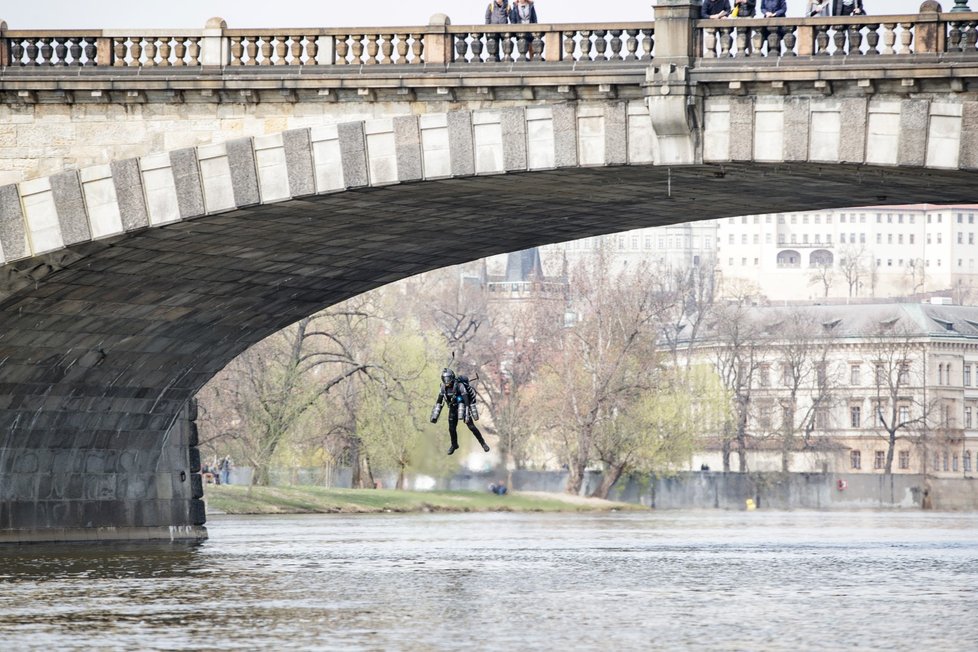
896 35
444 44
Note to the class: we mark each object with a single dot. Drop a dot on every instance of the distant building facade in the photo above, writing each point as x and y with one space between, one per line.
912 368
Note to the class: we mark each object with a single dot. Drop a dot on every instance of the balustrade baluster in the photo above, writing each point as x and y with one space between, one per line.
855 40
822 40
743 42
47 52
250 44
91 51
631 44
417 47
266 51
523 47
954 37
136 50
477 47
615 44
774 43
402 48
165 51
507 47
357 49
281 50
906 38
312 51
33 52
194 51
462 48
889 38
179 52
570 46
237 49
585 45
60 52
342 48
372 49
119 50
971 37
17 53
839 38
387 49
150 52
649 43
872 40
296 51
790 40
537 46
726 42
710 43
757 43
600 44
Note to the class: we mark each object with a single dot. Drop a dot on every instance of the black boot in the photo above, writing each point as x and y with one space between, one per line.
485 447
452 449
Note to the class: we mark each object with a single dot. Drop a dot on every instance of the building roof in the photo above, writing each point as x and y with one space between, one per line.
870 320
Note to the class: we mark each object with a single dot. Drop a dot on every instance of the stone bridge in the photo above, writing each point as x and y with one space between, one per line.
174 198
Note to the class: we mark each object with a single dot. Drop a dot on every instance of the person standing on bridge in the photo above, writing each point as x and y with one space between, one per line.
715 9
849 8
498 12
743 8
819 8
774 8
524 13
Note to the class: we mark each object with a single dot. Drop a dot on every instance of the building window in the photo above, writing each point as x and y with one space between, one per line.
822 419
903 377
904 460
967 417
879 460
967 461
954 463
881 375
904 413
945 466
855 416
966 375
855 459
764 376
854 375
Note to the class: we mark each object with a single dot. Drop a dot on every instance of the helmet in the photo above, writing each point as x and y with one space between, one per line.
447 377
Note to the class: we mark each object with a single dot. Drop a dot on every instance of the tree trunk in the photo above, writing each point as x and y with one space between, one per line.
608 480
726 455
400 479
576 478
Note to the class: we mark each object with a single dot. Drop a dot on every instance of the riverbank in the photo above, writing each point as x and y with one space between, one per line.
233 499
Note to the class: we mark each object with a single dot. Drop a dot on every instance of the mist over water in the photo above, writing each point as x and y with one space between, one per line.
705 580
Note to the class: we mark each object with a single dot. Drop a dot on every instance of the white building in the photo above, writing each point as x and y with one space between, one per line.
883 251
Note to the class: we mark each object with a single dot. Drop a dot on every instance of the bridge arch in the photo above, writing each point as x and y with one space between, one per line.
125 287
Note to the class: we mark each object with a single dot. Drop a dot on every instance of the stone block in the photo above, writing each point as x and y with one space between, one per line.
98 190
565 135
298 162
273 174
70 205
244 172
742 129
186 182
381 151
513 122
353 154
616 133
487 142
461 144
852 144
914 121
435 147
407 141
13 235
797 118
129 193
968 159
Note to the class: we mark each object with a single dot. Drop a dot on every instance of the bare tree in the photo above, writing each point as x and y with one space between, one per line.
852 267
823 275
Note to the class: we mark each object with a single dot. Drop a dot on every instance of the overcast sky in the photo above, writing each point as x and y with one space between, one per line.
115 14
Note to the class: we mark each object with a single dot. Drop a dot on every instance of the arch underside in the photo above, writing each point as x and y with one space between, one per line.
103 344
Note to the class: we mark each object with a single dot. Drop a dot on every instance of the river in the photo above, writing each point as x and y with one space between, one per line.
664 581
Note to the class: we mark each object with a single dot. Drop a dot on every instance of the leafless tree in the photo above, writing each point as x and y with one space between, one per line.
852 267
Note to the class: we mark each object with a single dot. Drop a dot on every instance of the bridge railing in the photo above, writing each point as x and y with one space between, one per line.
894 35
476 44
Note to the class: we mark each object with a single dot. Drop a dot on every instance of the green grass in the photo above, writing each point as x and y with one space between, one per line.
232 499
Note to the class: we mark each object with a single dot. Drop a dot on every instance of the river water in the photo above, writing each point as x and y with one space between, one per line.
664 581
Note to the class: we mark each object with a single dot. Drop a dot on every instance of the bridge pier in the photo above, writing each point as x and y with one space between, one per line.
120 492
